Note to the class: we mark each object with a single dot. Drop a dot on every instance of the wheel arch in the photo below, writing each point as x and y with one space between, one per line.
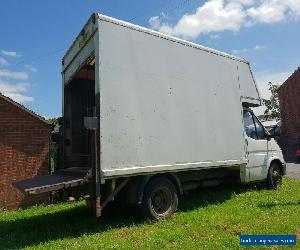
171 176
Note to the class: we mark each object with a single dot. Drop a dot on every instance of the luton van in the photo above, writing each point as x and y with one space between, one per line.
147 117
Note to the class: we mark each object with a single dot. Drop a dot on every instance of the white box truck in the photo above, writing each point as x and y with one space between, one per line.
154 116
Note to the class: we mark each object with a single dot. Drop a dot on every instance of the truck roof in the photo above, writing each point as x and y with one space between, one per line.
154 33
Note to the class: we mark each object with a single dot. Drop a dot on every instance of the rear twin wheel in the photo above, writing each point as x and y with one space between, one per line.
160 199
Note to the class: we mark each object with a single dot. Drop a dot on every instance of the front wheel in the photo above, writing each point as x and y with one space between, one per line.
160 199
274 180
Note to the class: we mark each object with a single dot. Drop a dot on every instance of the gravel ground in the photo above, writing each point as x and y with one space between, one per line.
293 170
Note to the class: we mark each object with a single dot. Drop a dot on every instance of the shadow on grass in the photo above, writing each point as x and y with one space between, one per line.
70 223
77 221
271 205
214 195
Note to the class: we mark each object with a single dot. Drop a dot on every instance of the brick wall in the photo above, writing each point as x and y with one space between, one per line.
24 141
289 98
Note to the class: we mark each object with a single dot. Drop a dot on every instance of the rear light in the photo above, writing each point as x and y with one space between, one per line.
298 152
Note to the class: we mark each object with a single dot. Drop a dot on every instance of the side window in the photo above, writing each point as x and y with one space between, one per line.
249 125
259 129
253 127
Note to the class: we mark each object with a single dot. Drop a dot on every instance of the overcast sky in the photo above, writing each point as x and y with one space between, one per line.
35 35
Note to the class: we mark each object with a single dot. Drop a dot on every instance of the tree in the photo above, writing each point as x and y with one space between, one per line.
272 105
55 145
53 121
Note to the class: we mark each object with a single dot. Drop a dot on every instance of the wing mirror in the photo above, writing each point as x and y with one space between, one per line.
274 132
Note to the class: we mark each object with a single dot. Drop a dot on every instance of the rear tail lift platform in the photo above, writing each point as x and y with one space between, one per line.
65 178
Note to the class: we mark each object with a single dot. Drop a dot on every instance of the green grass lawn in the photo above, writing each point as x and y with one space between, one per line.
207 219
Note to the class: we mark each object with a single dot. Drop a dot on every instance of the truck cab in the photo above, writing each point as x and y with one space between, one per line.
264 156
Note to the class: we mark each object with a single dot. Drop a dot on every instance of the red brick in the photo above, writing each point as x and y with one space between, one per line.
24 151
289 98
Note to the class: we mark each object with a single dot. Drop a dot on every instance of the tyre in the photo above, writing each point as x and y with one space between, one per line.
274 180
160 199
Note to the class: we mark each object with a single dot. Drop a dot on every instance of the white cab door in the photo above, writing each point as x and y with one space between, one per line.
257 148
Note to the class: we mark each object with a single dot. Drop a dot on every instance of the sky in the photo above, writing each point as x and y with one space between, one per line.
36 34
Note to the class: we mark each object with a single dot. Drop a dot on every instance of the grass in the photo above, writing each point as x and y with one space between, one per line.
207 219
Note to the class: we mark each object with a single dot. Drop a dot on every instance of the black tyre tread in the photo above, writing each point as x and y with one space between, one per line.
270 183
145 208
